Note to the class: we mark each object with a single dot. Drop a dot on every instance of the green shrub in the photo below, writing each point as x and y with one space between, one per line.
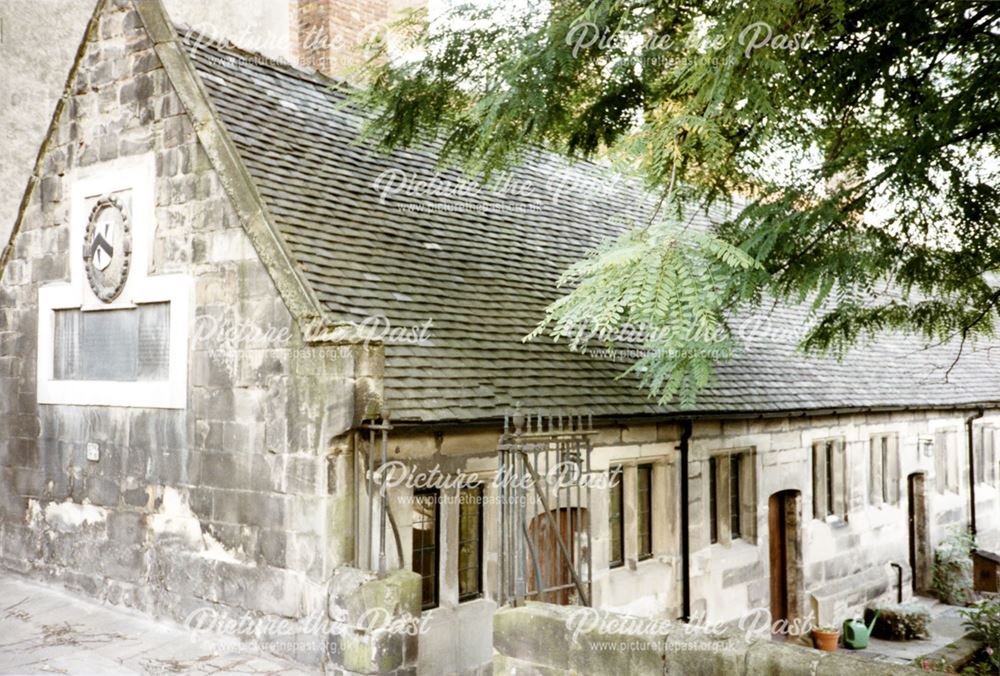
899 621
983 619
981 666
952 581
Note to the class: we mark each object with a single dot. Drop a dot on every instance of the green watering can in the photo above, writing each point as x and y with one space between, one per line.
856 634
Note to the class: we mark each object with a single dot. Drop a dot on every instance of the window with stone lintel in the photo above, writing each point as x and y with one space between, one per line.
883 476
829 479
731 496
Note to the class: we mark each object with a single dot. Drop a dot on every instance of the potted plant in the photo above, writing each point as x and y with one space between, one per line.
826 638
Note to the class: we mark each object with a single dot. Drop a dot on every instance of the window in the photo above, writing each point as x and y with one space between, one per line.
729 517
829 479
425 545
644 510
470 542
713 500
616 517
113 345
984 453
941 460
828 463
734 495
883 475
946 461
989 454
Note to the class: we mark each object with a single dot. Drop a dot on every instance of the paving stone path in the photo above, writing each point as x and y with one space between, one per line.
45 630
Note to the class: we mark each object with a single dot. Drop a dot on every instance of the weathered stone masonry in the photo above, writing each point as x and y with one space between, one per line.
239 500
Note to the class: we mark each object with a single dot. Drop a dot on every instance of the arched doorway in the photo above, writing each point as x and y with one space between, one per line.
783 517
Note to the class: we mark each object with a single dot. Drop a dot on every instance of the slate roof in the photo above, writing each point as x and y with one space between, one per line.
483 271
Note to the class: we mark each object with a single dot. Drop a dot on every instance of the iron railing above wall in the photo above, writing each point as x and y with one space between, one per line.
544 518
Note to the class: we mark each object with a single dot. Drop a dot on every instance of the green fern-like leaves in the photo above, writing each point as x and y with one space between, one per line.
667 282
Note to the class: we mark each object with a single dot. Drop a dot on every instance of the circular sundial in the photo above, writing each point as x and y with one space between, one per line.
107 248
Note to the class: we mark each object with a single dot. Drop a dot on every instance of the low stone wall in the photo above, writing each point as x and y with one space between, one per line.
545 639
376 623
956 654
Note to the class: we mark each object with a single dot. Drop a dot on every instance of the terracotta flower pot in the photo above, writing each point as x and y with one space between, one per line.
826 640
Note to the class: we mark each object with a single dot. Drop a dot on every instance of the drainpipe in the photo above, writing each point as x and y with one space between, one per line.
972 471
686 429
899 581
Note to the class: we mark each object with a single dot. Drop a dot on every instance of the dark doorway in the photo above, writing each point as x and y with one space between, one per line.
919 547
783 539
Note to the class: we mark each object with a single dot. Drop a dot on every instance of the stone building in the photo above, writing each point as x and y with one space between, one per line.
219 305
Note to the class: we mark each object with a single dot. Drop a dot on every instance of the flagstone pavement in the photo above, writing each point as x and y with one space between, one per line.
46 630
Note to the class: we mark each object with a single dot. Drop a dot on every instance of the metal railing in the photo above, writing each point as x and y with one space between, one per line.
543 515
370 551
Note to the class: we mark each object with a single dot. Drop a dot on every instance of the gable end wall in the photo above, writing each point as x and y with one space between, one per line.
238 502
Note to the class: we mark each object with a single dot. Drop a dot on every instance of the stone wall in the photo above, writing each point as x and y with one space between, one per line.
39 39
37 47
240 501
555 640
845 562
376 623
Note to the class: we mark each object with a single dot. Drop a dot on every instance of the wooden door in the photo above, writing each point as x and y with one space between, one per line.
553 568
917 526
